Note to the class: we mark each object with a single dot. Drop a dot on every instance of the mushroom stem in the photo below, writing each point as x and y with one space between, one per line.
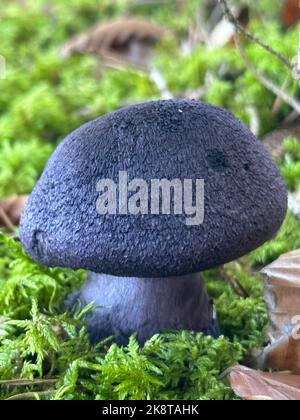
145 306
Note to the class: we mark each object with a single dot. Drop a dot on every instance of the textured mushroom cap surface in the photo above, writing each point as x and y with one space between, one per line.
245 197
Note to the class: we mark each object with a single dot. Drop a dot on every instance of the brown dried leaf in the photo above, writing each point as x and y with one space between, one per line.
244 16
283 355
254 385
11 209
133 38
282 293
290 12
273 141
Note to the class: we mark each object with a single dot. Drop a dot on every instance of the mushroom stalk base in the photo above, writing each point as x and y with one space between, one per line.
145 306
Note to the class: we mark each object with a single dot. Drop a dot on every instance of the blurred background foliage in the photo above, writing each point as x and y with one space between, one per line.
44 96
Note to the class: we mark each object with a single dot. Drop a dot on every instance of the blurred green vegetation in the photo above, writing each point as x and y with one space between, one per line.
42 98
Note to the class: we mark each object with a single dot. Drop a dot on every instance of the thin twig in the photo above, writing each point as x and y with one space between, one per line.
158 79
286 97
252 37
28 382
279 101
254 119
30 395
236 285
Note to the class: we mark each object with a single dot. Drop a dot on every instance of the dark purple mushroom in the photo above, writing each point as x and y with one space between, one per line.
148 262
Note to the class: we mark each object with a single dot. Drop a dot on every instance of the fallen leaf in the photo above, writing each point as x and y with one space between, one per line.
255 385
11 209
282 295
273 141
290 13
283 355
132 39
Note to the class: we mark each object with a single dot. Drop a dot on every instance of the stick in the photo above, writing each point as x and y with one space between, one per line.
252 37
286 97
28 382
30 395
278 101
236 285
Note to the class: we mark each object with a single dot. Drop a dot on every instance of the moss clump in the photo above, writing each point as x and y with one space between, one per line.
21 165
39 340
290 167
287 240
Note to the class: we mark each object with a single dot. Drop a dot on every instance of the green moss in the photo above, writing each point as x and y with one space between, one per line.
42 99
290 167
21 164
287 239
39 340
241 320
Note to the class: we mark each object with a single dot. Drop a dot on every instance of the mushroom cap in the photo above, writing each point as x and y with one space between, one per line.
245 197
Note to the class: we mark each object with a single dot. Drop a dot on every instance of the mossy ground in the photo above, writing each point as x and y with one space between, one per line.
42 99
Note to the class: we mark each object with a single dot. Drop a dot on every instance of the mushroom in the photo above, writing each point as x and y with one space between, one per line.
145 267
131 39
